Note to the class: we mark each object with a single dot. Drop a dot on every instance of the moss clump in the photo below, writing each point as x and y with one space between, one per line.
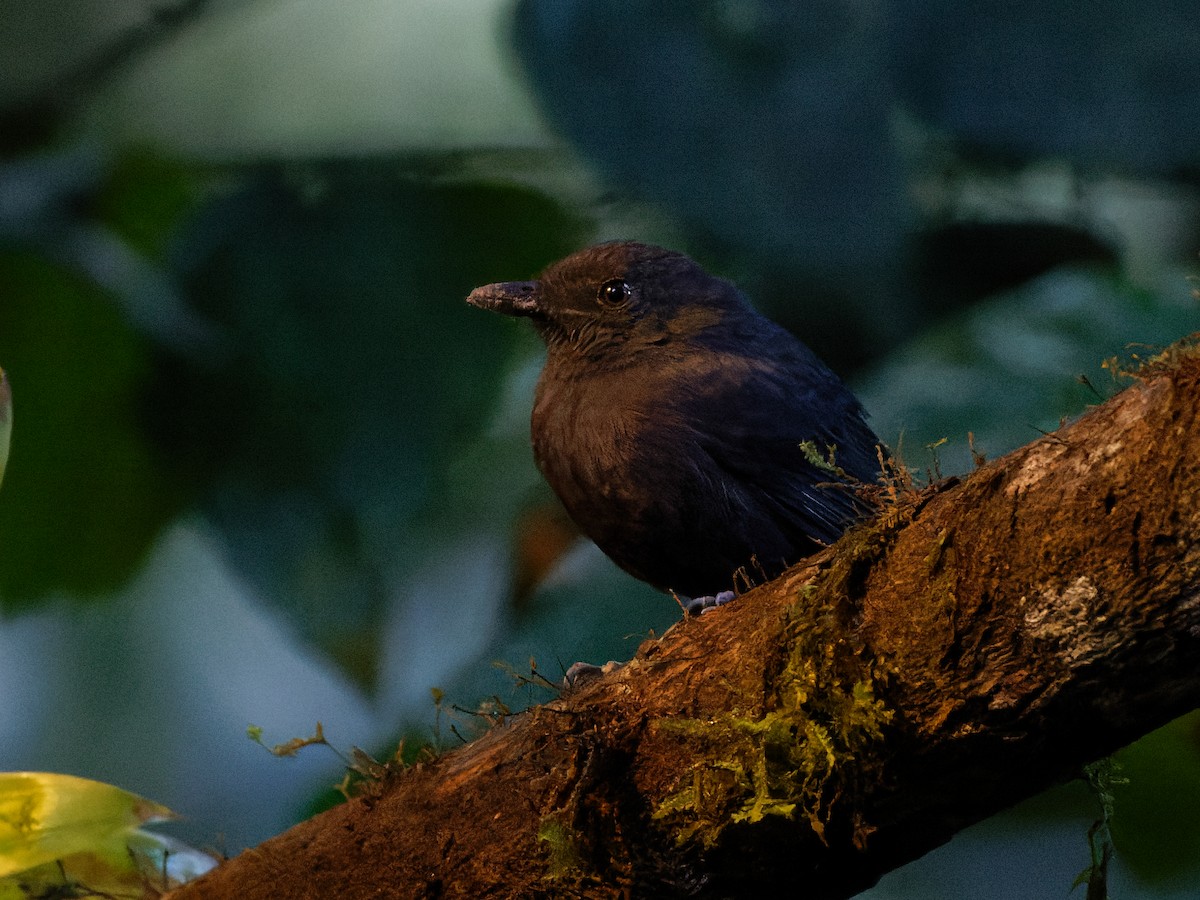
941 573
1171 357
564 858
819 739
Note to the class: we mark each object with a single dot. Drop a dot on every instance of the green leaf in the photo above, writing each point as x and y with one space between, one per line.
1155 829
84 494
144 198
1010 368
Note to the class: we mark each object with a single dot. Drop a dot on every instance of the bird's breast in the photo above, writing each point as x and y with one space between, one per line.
585 439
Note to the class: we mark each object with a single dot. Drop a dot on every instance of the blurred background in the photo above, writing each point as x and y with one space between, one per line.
268 468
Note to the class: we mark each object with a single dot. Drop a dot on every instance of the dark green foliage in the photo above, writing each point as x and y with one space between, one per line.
1155 828
84 494
349 376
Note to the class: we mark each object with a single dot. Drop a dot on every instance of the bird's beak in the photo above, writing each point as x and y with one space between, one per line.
512 298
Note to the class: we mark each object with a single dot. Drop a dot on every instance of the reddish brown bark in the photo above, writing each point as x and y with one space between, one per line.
971 647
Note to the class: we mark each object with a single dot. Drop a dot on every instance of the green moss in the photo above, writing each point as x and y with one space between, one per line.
564 857
820 739
941 575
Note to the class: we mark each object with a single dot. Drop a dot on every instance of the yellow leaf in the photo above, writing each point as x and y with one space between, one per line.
46 817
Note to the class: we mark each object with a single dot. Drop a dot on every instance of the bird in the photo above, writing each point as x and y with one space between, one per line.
699 444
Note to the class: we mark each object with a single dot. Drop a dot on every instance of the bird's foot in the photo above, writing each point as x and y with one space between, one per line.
582 672
700 605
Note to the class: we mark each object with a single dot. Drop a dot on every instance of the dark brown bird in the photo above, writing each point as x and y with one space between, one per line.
669 419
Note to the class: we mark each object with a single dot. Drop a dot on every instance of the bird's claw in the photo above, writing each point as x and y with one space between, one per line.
581 672
700 605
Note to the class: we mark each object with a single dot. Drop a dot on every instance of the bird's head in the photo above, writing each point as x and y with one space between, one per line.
616 297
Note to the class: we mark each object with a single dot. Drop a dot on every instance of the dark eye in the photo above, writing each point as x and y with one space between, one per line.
613 292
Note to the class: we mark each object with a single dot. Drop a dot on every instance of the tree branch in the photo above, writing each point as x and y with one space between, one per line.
974 645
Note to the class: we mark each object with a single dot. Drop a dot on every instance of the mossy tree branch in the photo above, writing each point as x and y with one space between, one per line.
974 645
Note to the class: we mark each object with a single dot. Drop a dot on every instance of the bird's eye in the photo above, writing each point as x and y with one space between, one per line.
613 292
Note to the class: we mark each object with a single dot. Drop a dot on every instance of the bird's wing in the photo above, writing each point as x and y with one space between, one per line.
753 424
802 499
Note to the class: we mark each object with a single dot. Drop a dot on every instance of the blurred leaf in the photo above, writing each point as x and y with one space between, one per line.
1035 78
45 816
85 495
1009 368
67 836
1155 827
356 373
144 198
5 421
765 124
422 75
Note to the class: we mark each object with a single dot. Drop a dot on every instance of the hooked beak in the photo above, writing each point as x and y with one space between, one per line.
511 298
